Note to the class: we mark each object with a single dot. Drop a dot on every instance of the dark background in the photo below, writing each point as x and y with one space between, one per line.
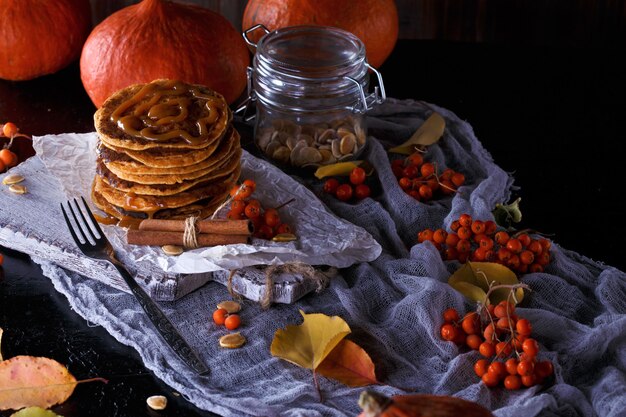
542 84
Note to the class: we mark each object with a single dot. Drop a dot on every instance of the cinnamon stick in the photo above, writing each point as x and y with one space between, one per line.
219 226
160 238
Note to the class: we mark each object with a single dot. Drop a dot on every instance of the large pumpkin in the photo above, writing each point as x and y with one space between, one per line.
160 39
40 37
375 22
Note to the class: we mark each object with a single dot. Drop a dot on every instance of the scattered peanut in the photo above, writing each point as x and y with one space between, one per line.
12 179
232 340
157 402
17 189
172 250
230 306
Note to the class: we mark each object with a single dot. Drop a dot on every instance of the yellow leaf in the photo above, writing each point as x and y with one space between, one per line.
307 344
474 279
33 381
349 364
340 168
428 133
34 412
1 331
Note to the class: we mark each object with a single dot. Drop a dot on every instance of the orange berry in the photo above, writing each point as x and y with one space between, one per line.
497 368
232 321
511 366
491 380
464 246
253 209
272 218
440 236
535 247
454 226
529 380
448 332
526 257
451 315
490 227
464 232
2 166
544 369
514 245
1 259
478 227
426 192
535 268
424 235
458 179
10 129
512 382
480 367
530 347
525 367
427 169
503 349
465 220
502 237
487 349
523 327
545 244
8 157
452 239
473 341
525 239
219 316
471 323
415 158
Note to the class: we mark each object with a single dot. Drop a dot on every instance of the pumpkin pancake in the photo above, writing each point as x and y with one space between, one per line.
163 113
152 203
129 170
201 208
166 160
166 189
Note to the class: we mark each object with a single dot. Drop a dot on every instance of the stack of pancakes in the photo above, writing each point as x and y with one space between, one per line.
167 150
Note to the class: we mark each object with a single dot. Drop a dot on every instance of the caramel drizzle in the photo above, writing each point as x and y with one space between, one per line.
143 121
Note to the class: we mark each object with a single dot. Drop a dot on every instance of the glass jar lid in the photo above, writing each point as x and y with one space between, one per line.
313 52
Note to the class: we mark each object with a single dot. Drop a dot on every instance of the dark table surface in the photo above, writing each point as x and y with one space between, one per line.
552 116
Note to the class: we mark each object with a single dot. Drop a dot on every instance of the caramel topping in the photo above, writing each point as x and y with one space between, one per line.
108 219
158 105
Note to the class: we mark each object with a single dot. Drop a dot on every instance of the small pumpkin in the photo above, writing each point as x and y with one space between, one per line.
161 39
374 404
41 37
375 22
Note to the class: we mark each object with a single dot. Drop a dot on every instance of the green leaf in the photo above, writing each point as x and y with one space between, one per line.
506 214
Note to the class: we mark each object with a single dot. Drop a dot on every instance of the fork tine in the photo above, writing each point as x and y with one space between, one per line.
69 225
93 219
86 231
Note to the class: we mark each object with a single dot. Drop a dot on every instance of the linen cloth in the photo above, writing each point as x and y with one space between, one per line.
393 305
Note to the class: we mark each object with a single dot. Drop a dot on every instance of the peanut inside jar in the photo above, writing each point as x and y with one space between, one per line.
314 144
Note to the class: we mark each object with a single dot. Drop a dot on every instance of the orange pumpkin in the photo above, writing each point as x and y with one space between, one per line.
418 405
41 37
160 39
375 22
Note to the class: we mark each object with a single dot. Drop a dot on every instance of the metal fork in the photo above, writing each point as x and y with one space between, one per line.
101 249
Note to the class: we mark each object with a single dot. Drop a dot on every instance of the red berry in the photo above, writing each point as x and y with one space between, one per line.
357 176
344 192
362 191
451 315
330 185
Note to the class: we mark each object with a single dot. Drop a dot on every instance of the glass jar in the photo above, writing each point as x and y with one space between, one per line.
310 85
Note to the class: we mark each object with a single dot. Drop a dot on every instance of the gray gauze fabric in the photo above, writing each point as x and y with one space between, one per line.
393 306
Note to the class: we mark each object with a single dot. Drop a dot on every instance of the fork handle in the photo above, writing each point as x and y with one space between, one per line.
163 325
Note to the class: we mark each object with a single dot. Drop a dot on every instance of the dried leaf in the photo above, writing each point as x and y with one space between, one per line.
1 331
32 381
474 279
428 133
307 344
342 168
349 364
34 412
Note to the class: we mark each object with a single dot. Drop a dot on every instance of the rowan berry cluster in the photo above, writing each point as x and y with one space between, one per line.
478 240
266 221
503 339
420 180
356 186
8 158
222 317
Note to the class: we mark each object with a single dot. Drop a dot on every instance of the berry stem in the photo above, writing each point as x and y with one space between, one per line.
285 203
